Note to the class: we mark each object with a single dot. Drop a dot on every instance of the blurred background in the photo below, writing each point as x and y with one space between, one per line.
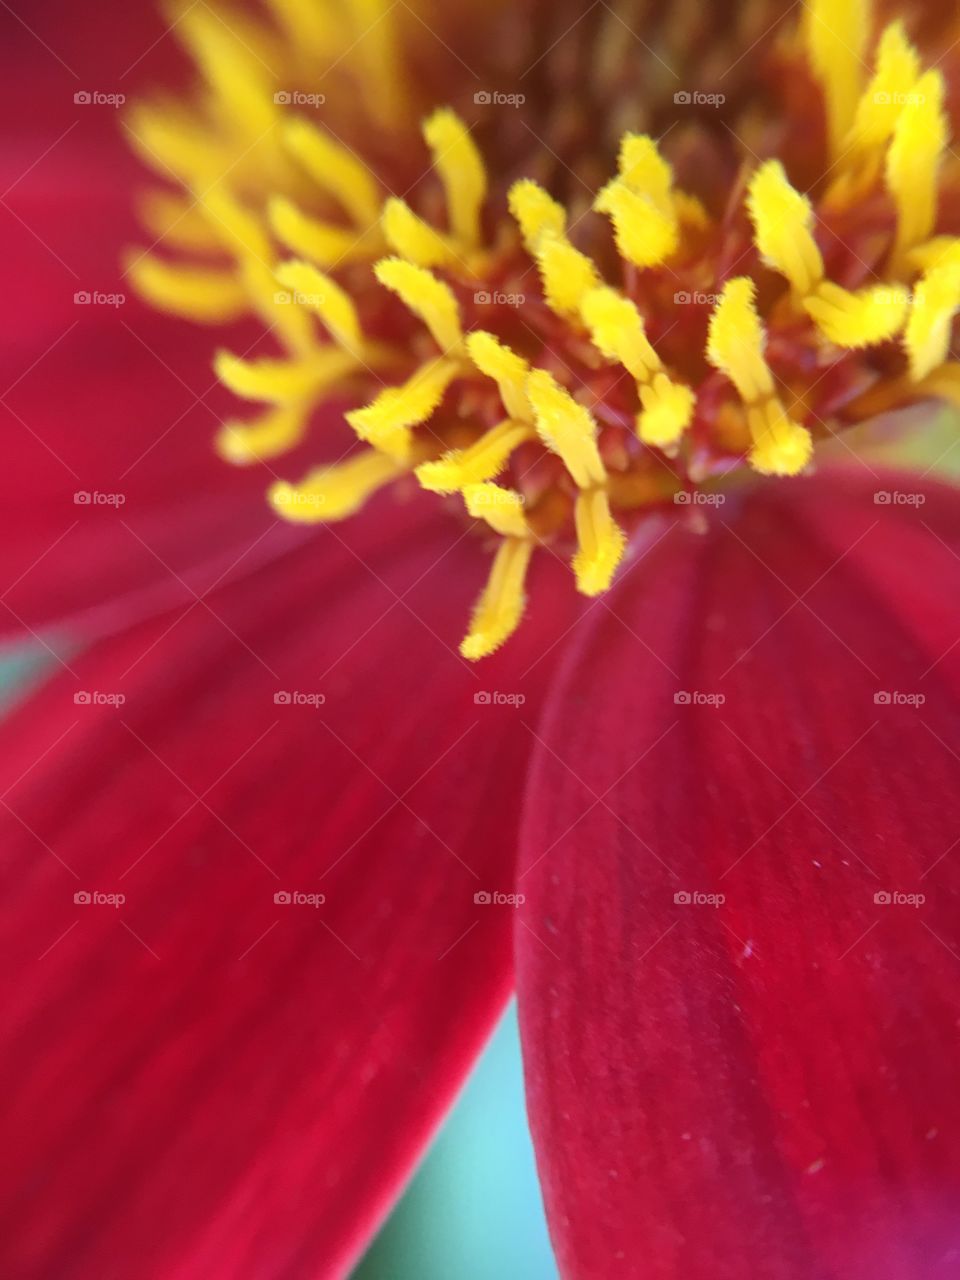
474 1209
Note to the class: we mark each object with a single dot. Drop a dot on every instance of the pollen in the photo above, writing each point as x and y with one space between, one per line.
554 342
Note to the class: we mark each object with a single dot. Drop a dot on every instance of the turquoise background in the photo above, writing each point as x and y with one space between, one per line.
473 1210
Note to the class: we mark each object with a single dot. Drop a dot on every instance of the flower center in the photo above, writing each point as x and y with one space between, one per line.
556 372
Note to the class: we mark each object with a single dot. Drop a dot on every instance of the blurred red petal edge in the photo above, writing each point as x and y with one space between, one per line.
205 1081
739 1020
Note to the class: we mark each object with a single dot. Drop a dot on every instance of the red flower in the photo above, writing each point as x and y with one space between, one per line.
276 852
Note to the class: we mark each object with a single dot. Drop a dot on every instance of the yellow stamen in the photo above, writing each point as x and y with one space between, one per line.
929 328
643 169
500 607
386 423
494 359
291 324
913 162
459 468
735 346
566 428
617 330
239 229
837 32
883 100
333 493
176 222
427 297
282 381
859 319
536 213
412 238
667 411
503 509
166 138
645 235
235 73
311 26
207 295
335 170
567 274
783 227
601 543
273 433
457 161
322 295
322 242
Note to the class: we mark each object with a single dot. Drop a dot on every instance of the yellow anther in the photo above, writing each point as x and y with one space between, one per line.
497 613
282 381
735 346
667 411
481 461
859 319
290 324
928 332
645 234
321 242
207 295
412 238
566 273
310 288
536 213
566 428
373 35
239 229
273 433
427 297
913 162
457 161
941 251
313 27
502 509
168 140
897 71
176 222
600 543
783 227
333 493
508 370
643 169
736 341
837 32
386 423
335 169
236 74
616 330
781 447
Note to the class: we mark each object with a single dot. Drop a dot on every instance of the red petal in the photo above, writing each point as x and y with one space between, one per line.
765 1087
209 1083
112 401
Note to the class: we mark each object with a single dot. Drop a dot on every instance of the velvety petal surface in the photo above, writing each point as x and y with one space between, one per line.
739 959
206 1079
